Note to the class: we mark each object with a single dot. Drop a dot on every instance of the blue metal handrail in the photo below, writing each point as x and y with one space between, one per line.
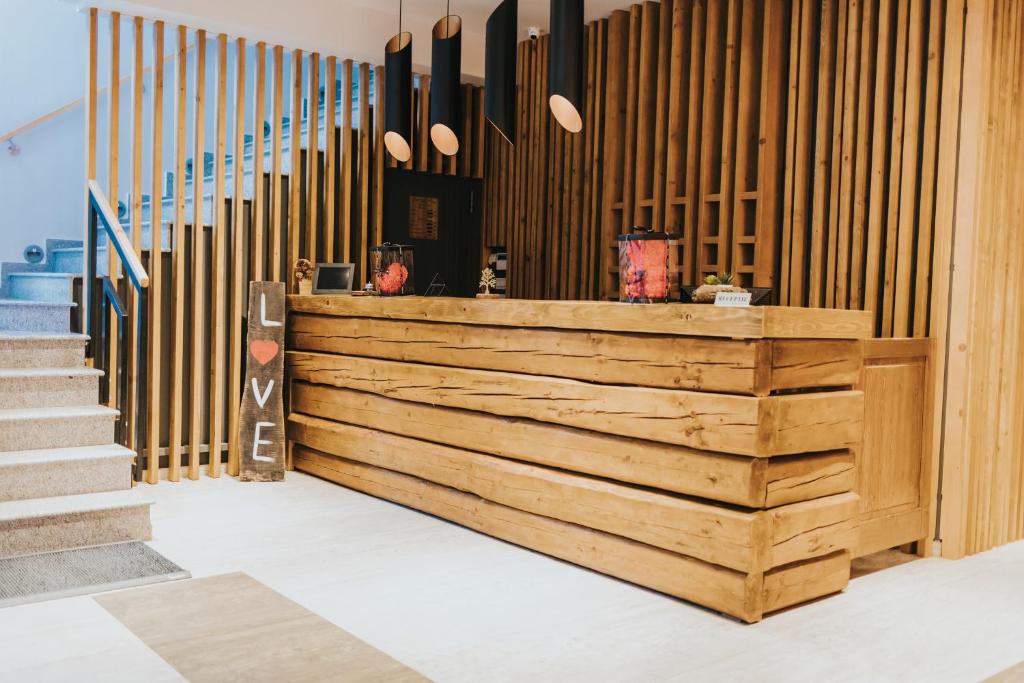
98 323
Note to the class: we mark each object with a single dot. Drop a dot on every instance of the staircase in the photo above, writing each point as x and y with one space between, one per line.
64 483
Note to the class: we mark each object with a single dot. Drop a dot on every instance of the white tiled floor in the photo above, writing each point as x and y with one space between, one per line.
458 606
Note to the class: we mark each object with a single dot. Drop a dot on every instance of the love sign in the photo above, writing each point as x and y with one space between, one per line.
261 420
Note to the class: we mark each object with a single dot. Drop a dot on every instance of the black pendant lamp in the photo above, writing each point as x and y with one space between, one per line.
565 68
500 69
398 93
446 73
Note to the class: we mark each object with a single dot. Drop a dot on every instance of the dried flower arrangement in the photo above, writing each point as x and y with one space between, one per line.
303 273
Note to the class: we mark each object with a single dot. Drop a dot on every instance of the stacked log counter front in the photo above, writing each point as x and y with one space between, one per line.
701 451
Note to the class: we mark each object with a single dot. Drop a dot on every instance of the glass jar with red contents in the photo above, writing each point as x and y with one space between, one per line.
392 269
644 268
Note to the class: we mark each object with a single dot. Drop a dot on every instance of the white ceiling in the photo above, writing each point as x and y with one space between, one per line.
474 13
356 29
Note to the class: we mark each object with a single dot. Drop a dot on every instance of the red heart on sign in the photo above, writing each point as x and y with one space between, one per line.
263 350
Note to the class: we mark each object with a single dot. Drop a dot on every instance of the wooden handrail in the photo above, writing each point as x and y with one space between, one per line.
117 236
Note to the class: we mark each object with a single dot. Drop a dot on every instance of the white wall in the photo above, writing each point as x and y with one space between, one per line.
40 188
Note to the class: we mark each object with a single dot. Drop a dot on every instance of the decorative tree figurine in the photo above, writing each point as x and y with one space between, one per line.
303 272
488 280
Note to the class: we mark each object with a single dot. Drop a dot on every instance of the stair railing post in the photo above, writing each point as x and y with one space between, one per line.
89 286
142 400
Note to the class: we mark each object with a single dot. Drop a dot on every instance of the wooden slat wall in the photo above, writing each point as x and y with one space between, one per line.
263 202
793 143
682 127
980 208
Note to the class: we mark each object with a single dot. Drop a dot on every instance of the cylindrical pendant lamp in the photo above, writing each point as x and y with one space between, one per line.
446 73
398 96
565 68
500 59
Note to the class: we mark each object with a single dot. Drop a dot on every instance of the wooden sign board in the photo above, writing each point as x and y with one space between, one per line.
261 420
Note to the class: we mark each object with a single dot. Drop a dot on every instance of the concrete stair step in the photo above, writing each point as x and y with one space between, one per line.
35 316
72 260
37 428
49 287
64 471
42 525
28 350
48 387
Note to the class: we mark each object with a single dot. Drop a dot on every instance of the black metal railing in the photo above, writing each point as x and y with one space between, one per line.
108 310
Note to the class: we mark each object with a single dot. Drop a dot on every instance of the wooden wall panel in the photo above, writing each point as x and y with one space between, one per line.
791 143
983 442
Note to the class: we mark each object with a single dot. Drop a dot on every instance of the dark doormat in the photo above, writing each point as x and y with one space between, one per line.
67 573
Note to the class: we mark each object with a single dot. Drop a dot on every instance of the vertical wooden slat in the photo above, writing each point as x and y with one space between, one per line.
614 120
588 163
632 95
113 162
916 53
154 401
423 128
91 95
772 138
330 141
313 159
691 169
219 276
802 133
832 210
715 121
134 401
865 104
239 260
378 156
879 133
923 264
364 167
899 132
294 171
850 133
822 156
347 161
479 150
276 197
646 114
257 245
743 193
517 252
665 54
198 261
178 261
536 154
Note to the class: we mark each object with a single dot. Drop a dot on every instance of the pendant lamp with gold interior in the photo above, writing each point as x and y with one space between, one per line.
398 93
446 73
565 68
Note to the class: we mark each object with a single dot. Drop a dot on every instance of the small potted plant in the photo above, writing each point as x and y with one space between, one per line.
488 280
303 272
713 284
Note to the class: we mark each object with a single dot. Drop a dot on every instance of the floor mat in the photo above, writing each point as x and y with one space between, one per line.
234 628
66 573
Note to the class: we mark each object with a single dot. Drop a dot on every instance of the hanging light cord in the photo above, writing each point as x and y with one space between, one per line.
400 17
448 19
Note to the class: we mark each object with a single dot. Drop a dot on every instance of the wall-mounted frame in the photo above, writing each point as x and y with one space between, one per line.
333 278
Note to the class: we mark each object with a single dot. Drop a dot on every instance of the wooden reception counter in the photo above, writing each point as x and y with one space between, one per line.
700 451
